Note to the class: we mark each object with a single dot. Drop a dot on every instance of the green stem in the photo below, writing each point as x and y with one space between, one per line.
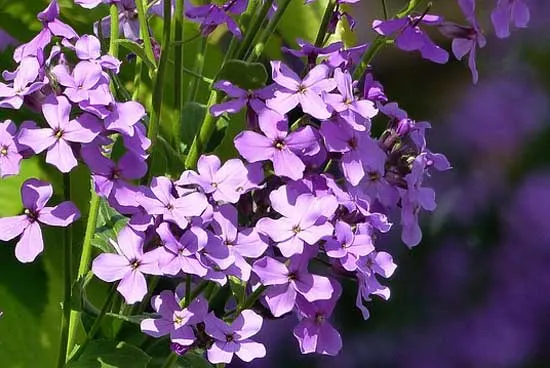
198 76
158 92
170 361
144 29
199 60
385 9
255 24
178 58
268 31
68 281
137 78
251 300
96 325
196 292
95 200
323 28
207 128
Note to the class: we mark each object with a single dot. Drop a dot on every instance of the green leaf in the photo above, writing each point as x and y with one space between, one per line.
191 118
226 149
193 359
109 223
238 289
111 354
139 51
245 75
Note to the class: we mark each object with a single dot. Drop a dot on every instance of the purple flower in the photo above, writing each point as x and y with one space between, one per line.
180 255
24 83
35 194
61 133
346 57
174 320
376 263
52 26
234 338
10 158
128 264
359 150
89 48
354 111
220 181
303 221
307 92
212 15
412 200
110 177
508 11
311 52
161 201
128 22
124 116
348 246
410 36
79 86
245 243
466 39
278 146
6 40
286 282
314 333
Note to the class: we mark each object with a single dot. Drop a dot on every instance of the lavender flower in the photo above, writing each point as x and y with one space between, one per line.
61 133
278 146
174 320
128 264
303 221
286 282
509 11
234 338
305 92
314 333
410 36
24 83
10 158
35 194
212 15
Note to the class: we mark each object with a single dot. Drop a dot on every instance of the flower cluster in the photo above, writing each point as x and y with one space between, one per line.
303 206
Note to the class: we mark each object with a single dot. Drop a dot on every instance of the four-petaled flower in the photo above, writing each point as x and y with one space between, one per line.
35 194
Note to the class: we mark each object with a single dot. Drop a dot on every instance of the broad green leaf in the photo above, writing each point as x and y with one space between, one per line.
191 118
109 223
193 359
111 354
238 289
139 51
245 75
226 149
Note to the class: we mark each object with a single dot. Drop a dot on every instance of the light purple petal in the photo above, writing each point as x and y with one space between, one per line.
30 245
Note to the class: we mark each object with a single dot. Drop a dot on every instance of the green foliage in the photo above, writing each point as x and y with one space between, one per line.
109 223
238 289
245 75
111 354
139 51
191 118
193 360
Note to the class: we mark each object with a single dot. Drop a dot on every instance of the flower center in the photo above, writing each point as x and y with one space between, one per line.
292 276
3 151
279 144
214 185
31 215
296 229
319 318
58 133
229 337
302 88
373 176
134 263
352 143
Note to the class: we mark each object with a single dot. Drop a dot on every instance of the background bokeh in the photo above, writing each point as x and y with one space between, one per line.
474 293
